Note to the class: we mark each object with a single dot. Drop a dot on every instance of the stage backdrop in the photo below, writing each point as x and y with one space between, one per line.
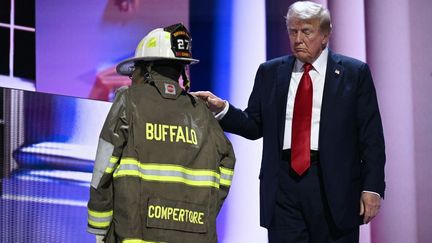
72 50
78 43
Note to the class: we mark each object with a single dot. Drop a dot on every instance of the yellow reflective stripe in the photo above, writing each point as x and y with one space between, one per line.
109 170
127 173
100 214
98 224
128 161
140 241
195 172
152 42
113 160
225 182
180 169
140 44
165 178
226 176
226 171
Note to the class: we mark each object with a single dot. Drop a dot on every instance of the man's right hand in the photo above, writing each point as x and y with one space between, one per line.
214 103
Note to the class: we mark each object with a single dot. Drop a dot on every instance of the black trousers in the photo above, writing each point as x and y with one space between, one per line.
301 212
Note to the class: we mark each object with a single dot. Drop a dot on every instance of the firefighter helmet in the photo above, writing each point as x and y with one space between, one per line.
169 43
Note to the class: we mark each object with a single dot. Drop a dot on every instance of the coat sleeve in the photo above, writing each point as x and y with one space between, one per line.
226 159
112 140
371 136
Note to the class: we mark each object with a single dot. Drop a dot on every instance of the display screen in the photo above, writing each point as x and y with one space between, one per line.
49 149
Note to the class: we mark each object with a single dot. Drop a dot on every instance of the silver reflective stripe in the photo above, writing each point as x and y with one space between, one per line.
97 231
100 219
167 173
226 178
103 156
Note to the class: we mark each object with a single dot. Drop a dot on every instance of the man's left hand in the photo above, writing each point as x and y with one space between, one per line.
369 206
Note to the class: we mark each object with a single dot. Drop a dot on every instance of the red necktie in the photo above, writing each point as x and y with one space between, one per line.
301 124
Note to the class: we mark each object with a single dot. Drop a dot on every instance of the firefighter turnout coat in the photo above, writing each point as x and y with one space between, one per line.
163 168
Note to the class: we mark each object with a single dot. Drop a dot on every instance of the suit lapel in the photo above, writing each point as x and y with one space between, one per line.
283 80
332 81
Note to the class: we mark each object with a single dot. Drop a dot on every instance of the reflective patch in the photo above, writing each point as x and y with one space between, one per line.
167 214
152 42
170 89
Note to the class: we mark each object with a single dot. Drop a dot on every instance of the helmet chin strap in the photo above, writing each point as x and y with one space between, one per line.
147 76
186 81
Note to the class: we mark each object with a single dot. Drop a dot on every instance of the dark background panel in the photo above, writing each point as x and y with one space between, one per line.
25 13
277 34
202 27
1 106
4 51
24 54
5 11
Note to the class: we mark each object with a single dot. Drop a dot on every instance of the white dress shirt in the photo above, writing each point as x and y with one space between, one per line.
317 74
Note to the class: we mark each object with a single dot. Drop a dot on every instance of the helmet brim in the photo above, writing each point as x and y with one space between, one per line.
127 66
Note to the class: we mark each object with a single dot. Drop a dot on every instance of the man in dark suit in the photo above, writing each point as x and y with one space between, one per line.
322 171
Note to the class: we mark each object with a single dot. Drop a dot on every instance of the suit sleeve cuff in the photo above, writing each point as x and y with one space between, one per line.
374 193
221 114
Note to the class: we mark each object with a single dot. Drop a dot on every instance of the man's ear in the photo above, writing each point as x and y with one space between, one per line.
325 40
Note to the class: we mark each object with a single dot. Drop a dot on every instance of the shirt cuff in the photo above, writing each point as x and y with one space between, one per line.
221 114
374 193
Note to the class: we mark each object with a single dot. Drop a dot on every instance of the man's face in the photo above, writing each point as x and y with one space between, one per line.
306 39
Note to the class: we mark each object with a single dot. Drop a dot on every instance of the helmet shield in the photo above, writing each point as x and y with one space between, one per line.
181 43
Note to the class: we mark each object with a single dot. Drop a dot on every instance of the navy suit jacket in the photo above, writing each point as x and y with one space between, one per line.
351 141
